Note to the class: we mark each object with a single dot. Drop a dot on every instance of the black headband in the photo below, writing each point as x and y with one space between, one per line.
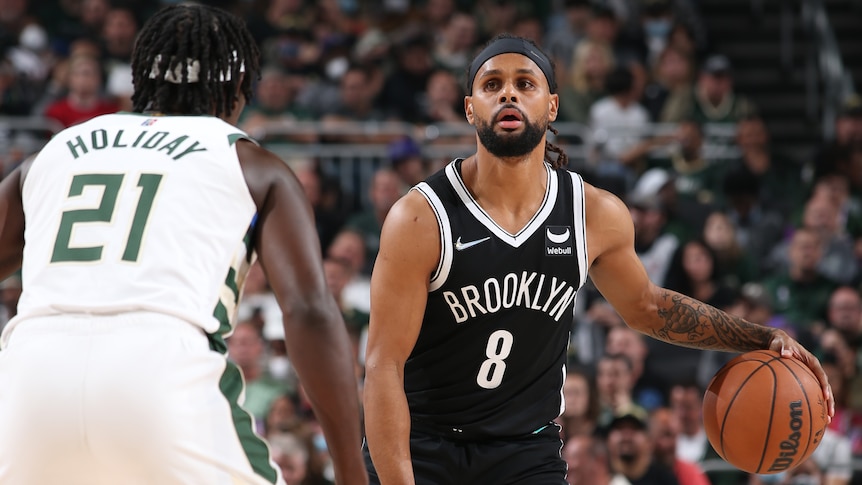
511 45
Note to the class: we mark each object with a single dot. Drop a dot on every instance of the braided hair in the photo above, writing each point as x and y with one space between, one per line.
193 59
561 160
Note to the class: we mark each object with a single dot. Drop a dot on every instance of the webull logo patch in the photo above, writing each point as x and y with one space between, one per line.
558 241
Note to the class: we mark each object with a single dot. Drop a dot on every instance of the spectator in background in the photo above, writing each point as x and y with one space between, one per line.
630 450
338 274
614 384
582 404
529 27
274 104
663 431
591 65
800 292
565 32
17 95
405 156
281 29
498 16
692 445
758 228
649 387
436 14
618 119
118 37
672 80
325 198
85 98
291 455
404 86
349 246
654 244
838 261
246 348
847 134
356 102
443 100
454 49
844 314
780 178
384 191
737 265
93 14
587 461
847 420
698 180
714 99
657 20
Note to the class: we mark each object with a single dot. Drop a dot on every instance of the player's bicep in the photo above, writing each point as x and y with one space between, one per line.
617 271
409 251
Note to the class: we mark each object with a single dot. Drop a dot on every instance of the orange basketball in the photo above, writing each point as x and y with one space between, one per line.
764 413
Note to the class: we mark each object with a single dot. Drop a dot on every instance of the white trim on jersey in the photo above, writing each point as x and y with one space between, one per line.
580 225
514 240
441 274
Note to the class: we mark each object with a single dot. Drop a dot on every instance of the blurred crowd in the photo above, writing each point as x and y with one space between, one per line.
772 236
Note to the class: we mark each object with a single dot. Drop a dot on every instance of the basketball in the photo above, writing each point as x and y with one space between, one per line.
763 413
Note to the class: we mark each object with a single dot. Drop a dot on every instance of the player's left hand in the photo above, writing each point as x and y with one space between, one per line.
786 346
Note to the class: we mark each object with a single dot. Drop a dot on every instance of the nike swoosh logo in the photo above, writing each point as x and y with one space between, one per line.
459 246
558 238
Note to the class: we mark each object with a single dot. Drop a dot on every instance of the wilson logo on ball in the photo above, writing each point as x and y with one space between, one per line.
790 446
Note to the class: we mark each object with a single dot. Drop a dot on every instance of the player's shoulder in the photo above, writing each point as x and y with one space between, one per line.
412 209
602 202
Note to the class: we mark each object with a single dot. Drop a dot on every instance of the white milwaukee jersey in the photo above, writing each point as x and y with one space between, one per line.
130 212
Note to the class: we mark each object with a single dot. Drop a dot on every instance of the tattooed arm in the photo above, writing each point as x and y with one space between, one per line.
666 315
692 323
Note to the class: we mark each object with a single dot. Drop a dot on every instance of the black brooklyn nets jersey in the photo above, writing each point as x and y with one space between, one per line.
490 357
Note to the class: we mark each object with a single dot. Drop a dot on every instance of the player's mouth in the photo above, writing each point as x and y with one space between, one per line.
509 118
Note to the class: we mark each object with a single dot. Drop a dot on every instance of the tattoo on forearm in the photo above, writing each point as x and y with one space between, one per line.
692 323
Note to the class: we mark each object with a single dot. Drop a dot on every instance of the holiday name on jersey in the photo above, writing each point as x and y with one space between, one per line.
548 295
161 141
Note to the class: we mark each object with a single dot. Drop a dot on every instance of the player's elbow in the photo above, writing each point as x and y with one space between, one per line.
315 311
643 313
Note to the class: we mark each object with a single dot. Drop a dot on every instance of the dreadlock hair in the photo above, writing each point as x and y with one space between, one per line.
561 160
193 59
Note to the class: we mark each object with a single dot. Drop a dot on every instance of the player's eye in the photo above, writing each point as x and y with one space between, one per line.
492 85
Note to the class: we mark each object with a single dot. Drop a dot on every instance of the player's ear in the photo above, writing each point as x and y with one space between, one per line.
468 108
553 107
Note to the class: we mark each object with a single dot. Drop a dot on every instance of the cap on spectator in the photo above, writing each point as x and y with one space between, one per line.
645 194
756 295
403 149
716 65
633 416
371 44
851 107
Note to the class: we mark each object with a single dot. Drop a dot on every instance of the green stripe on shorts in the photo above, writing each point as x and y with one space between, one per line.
256 450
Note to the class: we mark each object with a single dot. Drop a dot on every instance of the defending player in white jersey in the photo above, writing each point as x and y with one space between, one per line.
134 232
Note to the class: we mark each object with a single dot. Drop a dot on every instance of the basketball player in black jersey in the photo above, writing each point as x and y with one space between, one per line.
474 287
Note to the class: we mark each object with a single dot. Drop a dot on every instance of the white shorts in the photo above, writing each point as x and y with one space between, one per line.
123 400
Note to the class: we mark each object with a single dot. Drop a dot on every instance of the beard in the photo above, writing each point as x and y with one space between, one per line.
510 145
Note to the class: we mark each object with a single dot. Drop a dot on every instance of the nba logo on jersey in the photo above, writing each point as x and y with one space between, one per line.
558 241
149 122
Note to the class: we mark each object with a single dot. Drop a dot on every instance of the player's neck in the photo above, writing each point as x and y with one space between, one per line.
510 191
